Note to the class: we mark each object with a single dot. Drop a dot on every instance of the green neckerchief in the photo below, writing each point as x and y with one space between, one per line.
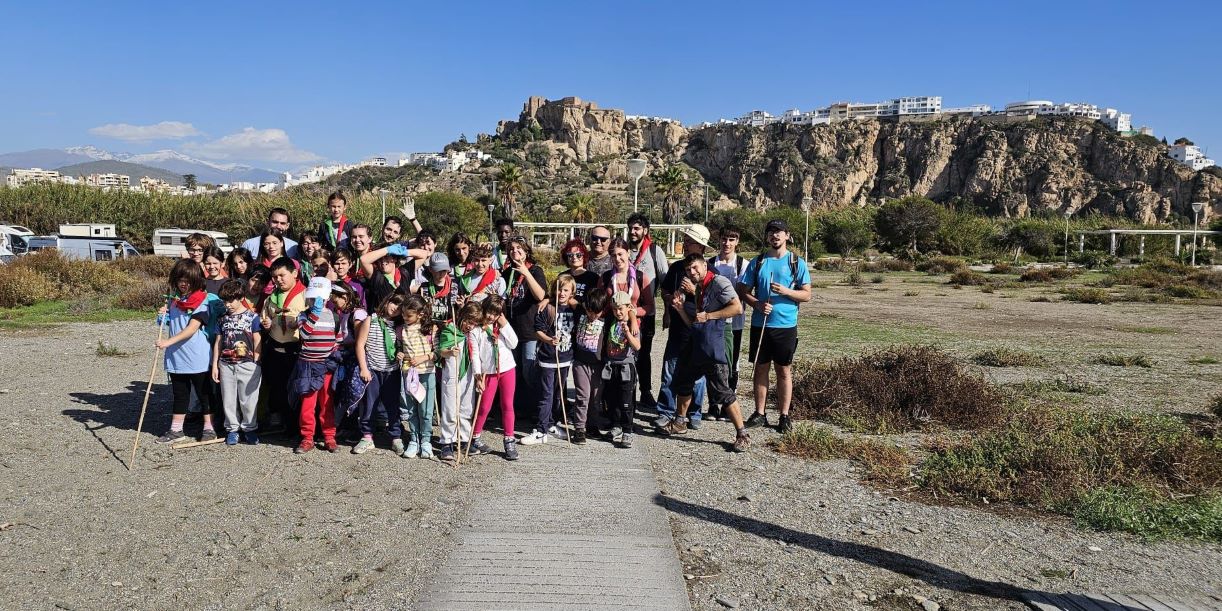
388 338
279 304
450 337
333 230
390 279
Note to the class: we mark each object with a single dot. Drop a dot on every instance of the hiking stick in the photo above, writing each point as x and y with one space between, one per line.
760 344
564 409
149 390
457 395
194 444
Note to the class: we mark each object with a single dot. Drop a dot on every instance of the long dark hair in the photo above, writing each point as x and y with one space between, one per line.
284 245
452 248
186 269
417 304
243 254
518 238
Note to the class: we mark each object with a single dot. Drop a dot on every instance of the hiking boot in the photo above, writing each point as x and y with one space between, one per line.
558 433
208 435
479 447
662 421
535 437
626 441
396 446
579 436
447 453
784 424
413 449
678 426
305 446
617 434
231 439
511 448
757 419
362 446
251 438
742 442
330 445
171 436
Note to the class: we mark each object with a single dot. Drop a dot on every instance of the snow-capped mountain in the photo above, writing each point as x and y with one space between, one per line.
169 160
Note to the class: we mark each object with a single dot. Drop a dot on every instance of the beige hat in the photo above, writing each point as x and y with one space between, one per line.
698 233
620 298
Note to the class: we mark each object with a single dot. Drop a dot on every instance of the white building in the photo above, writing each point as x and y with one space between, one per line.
452 161
315 174
154 185
975 110
108 181
756 118
33 175
1189 155
1119 121
379 162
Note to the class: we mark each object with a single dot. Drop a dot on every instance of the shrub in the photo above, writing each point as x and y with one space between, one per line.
965 233
846 231
1040 299
22 286
1046 274
966 277
73 276
897 389
149 265
908 223
887 265
1001 267
1087 295
1185 291
883 463
853 278
829 264
941 265
145 294
1124 360
1095 259
877 279
1007 357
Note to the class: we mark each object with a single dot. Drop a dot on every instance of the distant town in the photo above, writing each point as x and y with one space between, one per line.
913 108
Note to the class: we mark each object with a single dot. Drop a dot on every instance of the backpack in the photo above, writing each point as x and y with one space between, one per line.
793 269
739 264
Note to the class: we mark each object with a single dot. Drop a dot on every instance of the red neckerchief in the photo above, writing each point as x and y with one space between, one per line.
190 302
398 277
339 228
445 290
700 290
520 278
487 279
640 254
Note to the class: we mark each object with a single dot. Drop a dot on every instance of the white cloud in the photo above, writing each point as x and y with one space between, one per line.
252 144
166 130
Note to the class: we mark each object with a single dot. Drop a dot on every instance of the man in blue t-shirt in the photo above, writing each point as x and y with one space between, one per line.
774 284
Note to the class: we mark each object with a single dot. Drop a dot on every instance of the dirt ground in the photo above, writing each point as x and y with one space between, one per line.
259 527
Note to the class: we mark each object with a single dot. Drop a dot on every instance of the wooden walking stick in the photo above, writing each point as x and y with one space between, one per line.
564 410
149 390
759 345
457 394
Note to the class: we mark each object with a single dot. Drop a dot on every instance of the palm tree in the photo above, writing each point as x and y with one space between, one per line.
511 183
671 184
581 207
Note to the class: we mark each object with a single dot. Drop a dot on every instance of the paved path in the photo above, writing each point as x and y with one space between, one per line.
1122 602
572 527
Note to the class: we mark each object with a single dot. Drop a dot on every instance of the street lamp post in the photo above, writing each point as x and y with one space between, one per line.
1068 214
382 195
706 203
636 169
1196 211
806 204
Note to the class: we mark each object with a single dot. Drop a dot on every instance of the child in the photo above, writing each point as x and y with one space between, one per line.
309 250
279 317
587 367
235 363
377 356
623 340
194 246
418 357
311 381
554 332
341 270
239 263
187 350
495 369
333 232
457 378
256 288
482 280
214 270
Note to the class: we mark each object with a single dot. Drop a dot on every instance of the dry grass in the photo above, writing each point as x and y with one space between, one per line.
1008 357
883 463
941 265
1087 295
966 277
1124 360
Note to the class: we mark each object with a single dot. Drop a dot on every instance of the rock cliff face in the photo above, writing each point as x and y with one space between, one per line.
1011 166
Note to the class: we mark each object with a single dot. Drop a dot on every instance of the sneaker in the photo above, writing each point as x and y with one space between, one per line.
330 445
579 436
232 438
535 437
511 448
604 433
208 435
413 449
693 424
742 442
757 419
426 450
447 453
678 426
362 446
251 438
171 436
305 446
784 424
558 433
479 447
714 414
626 441
396 446
662 421
617 434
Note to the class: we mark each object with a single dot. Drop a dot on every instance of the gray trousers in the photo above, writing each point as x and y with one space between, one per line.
588 382
240 392
456 427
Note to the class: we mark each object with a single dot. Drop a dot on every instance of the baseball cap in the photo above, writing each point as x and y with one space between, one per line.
341 288
698 233
776 225
620 298
319 287
439 262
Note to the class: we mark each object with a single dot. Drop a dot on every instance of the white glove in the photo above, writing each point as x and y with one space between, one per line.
409 209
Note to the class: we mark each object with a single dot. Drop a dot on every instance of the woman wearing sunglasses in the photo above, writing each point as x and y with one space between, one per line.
574 254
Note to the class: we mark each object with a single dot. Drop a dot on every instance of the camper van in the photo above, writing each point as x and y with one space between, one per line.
14 242
88 230
92 249
169 242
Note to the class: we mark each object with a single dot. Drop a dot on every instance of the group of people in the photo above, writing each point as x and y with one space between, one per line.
335 336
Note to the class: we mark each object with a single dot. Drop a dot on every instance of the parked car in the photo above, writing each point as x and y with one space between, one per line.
169 242
92 249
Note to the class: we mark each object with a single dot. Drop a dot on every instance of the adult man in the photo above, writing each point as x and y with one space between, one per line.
504 231
773 284
278 221
600 258
333 230
695 239
392 228
650 259
728 263
706 313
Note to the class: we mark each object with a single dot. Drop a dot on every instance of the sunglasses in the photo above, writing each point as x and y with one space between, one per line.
572 255
600 238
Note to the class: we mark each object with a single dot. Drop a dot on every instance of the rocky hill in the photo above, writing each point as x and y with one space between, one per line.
1011 166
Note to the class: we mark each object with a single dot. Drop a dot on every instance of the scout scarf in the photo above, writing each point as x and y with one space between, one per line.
646 244
334 229
388 338
189 302
444 291
489 276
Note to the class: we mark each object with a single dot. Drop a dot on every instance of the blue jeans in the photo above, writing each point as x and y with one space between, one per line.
419 414
666 399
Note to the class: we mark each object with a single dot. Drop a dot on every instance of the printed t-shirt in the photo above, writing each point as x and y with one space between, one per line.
237 333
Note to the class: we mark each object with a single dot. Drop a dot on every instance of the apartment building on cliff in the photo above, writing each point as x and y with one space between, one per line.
1190 155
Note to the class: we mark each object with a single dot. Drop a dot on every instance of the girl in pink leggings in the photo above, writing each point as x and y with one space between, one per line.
494 369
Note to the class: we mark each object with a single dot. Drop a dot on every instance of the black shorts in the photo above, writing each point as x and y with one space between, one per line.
716 381
778 346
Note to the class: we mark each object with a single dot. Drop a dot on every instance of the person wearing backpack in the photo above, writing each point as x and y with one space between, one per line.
730 264
774 284
649 259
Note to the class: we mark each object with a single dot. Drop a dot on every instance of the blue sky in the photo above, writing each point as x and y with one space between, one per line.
285 85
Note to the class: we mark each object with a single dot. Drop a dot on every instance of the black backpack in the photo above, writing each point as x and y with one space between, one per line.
793 270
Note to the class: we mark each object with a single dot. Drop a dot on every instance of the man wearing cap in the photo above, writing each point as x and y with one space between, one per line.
695 240
650 259
773 284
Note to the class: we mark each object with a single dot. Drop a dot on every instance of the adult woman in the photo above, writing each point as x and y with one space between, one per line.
239 263
214 270
459 251
525 289
624 277
574 253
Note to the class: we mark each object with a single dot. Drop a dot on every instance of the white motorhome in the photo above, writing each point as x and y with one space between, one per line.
88 230
169 242
14 242
92 249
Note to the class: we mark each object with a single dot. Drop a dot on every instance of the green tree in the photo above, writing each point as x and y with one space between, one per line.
908 222
965 234
846 231
188 181
581 208
1037 237
510 185
671 184
446 212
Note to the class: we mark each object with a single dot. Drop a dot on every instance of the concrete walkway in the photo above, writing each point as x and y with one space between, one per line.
571 527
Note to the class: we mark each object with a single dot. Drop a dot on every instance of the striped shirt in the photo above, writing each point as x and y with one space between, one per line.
318 337
375 346
416 344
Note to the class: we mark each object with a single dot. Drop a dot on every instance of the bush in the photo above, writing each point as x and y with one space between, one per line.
1037 237
145 294
1185 291
1007 357
966 277
897 389
941 265
883 463
1124 360
887 265
1088 295
150 265
965 233
846 231
1095 259
74 276
1046 274
908 223
853 278
22 286
1001 267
